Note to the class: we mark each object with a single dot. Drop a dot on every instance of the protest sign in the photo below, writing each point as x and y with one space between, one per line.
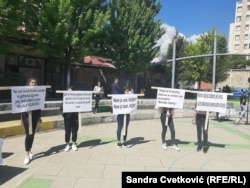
212 102
124 103
77 101
27 98
171 98
1 145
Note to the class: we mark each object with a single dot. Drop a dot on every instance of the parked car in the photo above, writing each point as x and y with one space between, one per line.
238 91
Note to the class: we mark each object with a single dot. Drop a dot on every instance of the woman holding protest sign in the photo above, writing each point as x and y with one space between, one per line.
36 118
121 120
71 127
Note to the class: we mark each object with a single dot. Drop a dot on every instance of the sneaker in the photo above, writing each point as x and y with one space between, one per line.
31 156
119 145
26 160
205 149
199 148
124 145
74 147
175 147
67 148
164 146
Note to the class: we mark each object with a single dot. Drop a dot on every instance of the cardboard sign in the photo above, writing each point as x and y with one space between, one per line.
27 98
124 103
171 98
77 101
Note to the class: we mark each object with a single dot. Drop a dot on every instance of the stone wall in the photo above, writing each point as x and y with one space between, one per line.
236 78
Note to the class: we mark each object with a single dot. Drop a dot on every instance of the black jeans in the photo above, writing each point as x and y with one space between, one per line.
29 138
71 128
165 125
120 123
97 100
200 125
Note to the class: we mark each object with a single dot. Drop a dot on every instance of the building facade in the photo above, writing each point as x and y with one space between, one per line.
239 30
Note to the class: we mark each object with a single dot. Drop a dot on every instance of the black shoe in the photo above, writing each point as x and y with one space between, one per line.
199 148
125 145
119 145
205 149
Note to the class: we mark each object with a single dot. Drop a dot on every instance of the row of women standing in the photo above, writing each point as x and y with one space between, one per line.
71 126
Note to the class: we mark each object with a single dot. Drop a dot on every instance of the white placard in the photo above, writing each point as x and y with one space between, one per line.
171 98
77 101
212 102
27 98
124 103
1 145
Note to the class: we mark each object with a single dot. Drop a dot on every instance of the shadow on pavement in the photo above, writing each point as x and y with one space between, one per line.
92 143
51 151
137 140
6 154
8 172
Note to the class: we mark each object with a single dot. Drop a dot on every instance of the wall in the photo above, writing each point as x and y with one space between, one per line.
236 78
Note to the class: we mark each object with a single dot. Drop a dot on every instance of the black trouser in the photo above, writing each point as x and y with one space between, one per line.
165 125
200 125
29 138
120 123
71 127
97 100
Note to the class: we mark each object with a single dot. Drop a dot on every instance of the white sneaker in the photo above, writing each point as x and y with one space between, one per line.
175 147
67 148
30 156
26 160
164 146
74 147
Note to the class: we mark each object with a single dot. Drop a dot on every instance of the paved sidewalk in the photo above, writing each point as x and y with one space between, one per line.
99 163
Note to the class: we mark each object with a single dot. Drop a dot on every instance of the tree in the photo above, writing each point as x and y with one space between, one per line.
10 23
66 29
181 44
133 34
201 69
238 62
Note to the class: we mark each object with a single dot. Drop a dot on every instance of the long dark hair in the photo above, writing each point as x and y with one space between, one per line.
29 80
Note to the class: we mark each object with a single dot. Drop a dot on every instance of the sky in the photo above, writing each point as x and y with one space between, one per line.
191 18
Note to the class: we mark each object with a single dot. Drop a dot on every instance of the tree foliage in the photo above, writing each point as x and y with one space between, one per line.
66 29
180 47
133 34
201 69
10 24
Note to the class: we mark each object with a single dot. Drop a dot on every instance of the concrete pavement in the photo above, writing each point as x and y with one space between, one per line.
99 163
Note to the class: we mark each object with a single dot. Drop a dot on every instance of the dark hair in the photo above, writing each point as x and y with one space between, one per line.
71 87
29 80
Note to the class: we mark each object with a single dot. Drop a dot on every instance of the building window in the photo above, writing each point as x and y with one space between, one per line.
247 18
246 37
238 18
239 9
245 46
237 37
236 46
247 27
238 28
248 7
